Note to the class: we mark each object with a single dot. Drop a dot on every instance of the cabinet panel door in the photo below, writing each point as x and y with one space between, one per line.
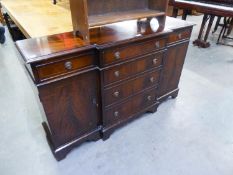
71 106
173 65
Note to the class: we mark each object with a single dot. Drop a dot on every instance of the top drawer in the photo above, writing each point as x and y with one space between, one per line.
120 53
63 66
179 35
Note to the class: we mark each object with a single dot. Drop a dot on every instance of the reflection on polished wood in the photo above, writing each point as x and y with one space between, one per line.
44 46
37 18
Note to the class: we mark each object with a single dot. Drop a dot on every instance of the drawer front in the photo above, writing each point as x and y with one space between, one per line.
122 91
179 35
126 70
126 110
118 54
65 66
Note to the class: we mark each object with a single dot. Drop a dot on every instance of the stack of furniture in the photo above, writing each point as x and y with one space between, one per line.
210 8
89 88
225 34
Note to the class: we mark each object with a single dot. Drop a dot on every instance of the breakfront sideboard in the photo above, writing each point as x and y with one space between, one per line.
90 88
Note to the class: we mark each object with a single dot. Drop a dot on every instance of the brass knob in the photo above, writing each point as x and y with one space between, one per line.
68 65
180 36
116 114
117 73
157 45
149 98
155 61
117 55
116 94
152 80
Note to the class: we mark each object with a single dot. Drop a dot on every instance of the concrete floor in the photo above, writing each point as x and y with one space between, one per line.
193 135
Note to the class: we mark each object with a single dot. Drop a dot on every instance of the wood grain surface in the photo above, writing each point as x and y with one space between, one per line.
37 18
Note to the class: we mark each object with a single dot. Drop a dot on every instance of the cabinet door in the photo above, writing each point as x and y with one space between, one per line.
173 65
71 107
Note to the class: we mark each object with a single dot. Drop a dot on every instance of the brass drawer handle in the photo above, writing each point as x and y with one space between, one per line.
180 36
155 61
116 94
152 80
117 73
157 45
116 114
117 55
68 65
149 98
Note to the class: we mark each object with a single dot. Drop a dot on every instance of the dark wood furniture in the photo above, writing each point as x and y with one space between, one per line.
225 37
210 8
91 13
14 31
88 89
1 15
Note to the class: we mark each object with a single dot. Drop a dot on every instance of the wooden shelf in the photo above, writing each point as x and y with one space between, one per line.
98 20
87 14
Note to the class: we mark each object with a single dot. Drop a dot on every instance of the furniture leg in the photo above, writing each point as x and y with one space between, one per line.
221 33
217 24
200 42
225 32
209 27
230 27
204 21
185 14
175 12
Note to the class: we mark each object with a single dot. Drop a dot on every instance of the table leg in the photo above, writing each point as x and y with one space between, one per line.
225 32
200 42
175 12
185 14
230 27
217 24
209 27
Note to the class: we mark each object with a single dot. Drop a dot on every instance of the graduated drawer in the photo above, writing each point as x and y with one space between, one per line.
63 66
179 35
121 72
120 92
122 53
126 110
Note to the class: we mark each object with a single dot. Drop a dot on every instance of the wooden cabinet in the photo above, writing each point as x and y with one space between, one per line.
90 90
173 63
72 109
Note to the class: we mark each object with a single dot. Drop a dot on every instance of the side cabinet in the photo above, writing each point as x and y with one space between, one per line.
173 63
69 91
71 106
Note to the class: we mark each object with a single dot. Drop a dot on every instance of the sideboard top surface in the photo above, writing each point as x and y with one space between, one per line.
37 49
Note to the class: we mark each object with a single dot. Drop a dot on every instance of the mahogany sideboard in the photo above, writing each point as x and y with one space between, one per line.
88 89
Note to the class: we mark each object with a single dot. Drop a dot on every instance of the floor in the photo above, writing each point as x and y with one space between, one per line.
193 134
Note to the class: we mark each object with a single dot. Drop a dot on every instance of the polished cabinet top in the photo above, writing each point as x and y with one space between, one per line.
37 49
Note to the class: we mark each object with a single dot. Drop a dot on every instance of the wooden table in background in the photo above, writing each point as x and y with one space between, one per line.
36 18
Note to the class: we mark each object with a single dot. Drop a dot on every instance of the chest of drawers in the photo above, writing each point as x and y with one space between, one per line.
90 90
